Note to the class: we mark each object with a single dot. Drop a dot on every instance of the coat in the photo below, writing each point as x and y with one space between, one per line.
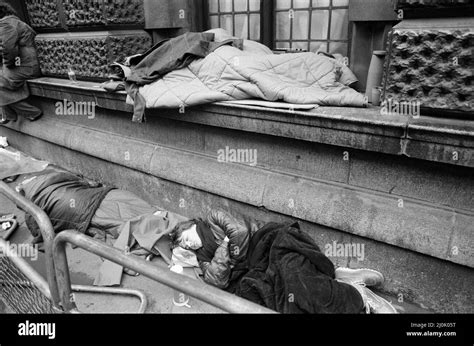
20 60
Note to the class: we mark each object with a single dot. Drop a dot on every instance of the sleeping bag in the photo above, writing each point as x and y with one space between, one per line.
69 201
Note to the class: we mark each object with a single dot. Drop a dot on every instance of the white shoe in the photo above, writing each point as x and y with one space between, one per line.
362 276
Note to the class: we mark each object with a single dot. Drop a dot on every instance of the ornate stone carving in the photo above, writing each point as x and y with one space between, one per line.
88 54
431 61
72 14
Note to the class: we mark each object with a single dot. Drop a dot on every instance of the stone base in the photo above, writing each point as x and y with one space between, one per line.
430 61
88 54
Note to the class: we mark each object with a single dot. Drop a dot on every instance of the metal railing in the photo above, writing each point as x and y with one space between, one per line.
47 232
38 296
192 287
58 287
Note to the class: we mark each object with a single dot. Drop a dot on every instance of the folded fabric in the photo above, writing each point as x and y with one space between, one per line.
147 232
15 163
113 86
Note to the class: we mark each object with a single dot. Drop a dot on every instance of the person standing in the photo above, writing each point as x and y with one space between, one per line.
19 63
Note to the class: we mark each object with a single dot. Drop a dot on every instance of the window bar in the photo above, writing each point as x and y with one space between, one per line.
310 21
233 17
248 19
291 24
205 13
267 23
219 13
329 26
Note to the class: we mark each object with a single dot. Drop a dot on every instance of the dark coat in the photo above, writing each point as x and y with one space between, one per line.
20 60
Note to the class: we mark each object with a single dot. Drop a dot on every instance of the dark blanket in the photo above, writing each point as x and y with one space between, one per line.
287 272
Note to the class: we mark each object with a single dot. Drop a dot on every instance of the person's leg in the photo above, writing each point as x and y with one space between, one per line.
7 114
26 110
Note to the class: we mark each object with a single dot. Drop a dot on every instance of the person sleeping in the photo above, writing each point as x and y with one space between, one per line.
277 265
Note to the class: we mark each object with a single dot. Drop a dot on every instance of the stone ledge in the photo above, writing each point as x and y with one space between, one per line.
418 226
433 139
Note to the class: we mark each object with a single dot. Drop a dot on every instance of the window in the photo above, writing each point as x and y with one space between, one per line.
239 17
309 25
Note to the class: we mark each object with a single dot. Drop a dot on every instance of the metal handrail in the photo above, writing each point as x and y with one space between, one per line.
194 288
116 291
47 232
37 281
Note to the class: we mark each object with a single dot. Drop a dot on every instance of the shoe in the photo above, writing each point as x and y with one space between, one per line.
8 225
4 115
373 304
364 276
36 117
377 304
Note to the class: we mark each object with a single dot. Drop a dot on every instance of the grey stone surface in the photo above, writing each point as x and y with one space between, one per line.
461 247
435 285
439 184
435 183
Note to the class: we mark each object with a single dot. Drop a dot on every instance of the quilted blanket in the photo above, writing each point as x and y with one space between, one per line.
229 74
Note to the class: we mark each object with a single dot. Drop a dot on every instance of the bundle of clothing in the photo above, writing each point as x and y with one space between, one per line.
286 271
199 68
